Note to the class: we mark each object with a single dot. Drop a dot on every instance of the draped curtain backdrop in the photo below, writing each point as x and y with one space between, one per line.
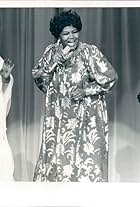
24 34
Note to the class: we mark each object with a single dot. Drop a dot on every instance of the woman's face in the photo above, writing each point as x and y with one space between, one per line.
70 37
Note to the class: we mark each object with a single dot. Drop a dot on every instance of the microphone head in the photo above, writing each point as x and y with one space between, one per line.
66 50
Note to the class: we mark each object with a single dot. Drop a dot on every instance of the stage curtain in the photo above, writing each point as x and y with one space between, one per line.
24 34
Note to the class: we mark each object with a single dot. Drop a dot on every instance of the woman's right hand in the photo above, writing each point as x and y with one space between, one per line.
62 55
58 57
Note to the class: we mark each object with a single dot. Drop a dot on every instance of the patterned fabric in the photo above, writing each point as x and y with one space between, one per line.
75 133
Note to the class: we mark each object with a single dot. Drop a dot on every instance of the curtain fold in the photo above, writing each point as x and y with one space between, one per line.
24 34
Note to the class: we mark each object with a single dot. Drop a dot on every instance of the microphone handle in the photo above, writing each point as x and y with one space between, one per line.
53 67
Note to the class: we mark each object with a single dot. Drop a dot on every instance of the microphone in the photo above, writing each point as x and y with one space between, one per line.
65 51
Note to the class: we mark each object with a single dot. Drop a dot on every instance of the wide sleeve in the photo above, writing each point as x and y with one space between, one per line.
7 93
40 72
102 74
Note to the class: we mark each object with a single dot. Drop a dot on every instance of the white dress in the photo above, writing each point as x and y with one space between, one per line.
6 157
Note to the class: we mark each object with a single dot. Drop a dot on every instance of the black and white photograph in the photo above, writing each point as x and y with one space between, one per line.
70 95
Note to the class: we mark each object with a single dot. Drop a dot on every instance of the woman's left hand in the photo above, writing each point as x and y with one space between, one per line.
78 94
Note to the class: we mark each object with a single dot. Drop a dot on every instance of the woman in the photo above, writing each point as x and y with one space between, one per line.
6 83
74 77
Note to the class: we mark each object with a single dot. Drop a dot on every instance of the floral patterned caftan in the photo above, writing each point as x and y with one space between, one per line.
75 132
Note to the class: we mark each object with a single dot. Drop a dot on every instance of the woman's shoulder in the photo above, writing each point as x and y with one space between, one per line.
89 49
86 46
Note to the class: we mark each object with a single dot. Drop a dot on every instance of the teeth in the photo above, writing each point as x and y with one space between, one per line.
71 43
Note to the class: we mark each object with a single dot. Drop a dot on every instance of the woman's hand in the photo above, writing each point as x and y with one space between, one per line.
58 57
6 70
63 54
78 94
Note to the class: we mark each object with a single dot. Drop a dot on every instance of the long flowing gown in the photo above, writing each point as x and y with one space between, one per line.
75 133
6 157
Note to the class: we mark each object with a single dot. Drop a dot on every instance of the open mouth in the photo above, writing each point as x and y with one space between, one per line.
71 43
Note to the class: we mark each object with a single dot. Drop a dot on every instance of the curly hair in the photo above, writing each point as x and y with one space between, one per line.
65 18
